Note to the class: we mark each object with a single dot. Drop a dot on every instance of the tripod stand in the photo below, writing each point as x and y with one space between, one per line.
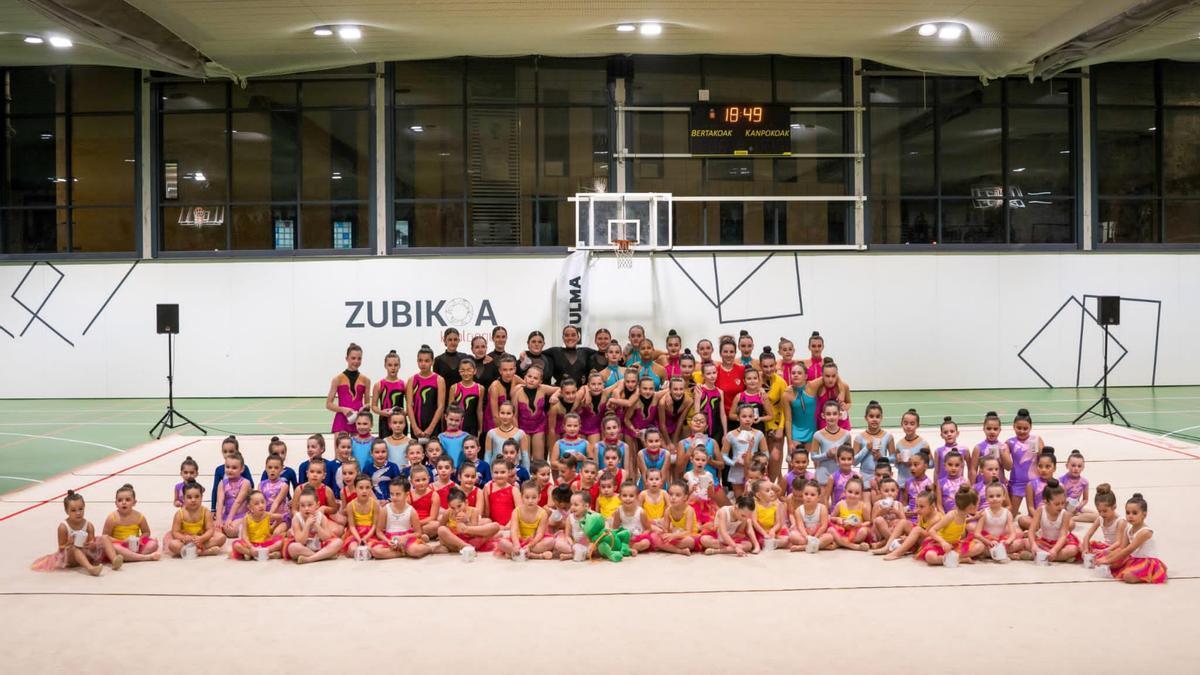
1108 410
169 418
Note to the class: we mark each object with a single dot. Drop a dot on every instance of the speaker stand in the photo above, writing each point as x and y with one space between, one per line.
172 418
1108 409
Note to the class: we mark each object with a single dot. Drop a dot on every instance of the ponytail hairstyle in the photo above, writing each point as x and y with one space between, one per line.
949 420
1104 495
1140 501
965 498
873 405
71 498
1053 489
1023 416
353 348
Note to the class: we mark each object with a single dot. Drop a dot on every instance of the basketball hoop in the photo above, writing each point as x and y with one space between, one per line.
624 250
202 216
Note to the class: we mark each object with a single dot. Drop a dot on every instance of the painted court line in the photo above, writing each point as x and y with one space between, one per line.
100 480
1145 442
1179 431
64 440
27 480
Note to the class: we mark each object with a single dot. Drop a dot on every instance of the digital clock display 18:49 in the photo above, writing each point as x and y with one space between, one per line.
740 129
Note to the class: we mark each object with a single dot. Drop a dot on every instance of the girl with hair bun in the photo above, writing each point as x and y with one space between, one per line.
908 445
1135 558
426 397
1108 522
815 363
348 392
833 388
745 345
77 543
388 398
1024 449
990 446
1050 528
674 353
787 352
874 443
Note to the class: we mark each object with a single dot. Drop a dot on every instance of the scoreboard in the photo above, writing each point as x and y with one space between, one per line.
740 129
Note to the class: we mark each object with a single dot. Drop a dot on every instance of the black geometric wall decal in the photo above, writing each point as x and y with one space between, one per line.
719 302
34 313
1157 325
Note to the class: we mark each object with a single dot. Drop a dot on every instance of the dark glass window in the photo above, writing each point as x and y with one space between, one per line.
287 162
68 159
496 168
1147 169
954 161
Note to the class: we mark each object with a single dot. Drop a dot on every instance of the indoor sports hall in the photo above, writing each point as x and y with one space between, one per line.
556 249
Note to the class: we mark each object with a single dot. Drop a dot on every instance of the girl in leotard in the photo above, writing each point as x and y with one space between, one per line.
397 526
918 483
570 443
446 363
755 397
614 367
704 352
468 395
834 389
710 402
361 512
1024 449
312 537
506 428
500 497
643 414
687 367
799 408
621 398
126 534
740 445
835 487
487 370
260 530
775 387
699 438
822 451
908 445
571 401
1135 559
646 365
499 343
633 518
532 399
674 343
922 515
595 405
996 525
533 356
674 405
398 440
732 531
426 397
989 472
78 545
874 443
275 488
990 446
1107 522
1043 471
652 456
388 395
952 532
527 529
851 518
787 353
231 503
678 524
745 345
499 391
810 520
949 433
348 391
424 500
948 486
1077 489
770 514
1050 529
816 349
193 524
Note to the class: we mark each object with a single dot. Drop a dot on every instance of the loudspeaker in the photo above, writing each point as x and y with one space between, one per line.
168 319
1109 311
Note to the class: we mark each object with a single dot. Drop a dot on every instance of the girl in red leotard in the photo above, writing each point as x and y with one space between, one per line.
730 374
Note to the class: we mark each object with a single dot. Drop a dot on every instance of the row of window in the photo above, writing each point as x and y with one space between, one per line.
486 152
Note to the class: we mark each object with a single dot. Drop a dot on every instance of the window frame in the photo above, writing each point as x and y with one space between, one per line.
1159 197
67 115
228 111
1004 106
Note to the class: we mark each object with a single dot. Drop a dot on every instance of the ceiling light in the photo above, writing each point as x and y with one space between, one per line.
46 137
651 29
1152 129
416 128
1019 169
950 31
33 40
626 28
199 176
1064 152
322 31
350 32
60 42
928 29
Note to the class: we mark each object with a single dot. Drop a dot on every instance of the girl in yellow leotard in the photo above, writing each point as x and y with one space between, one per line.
361 513
653 499
851 518
527 529
257 531
126 529
193 524
768 514
914 533
678 523
951 532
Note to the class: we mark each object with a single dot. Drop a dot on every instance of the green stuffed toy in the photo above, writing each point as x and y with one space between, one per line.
612 544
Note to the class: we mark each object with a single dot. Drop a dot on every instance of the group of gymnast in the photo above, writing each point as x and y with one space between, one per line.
733 455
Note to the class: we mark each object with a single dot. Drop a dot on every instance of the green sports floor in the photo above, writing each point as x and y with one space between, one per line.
45 437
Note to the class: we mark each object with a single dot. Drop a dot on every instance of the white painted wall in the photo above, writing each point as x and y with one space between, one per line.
278 328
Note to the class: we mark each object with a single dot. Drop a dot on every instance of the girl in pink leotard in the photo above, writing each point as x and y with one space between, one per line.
815 363
532 399
833 388
348 391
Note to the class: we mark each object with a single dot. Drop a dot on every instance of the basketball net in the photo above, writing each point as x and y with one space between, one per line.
624 250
